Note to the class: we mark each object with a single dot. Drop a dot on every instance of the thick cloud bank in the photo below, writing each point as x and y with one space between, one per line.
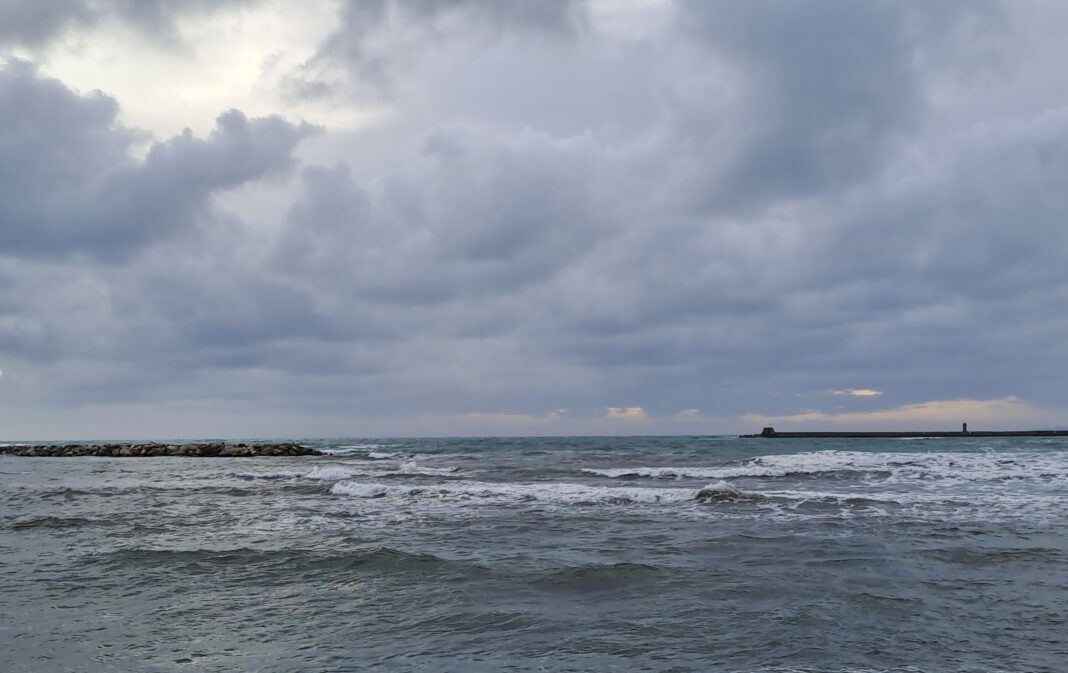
32 23
75 189
574 217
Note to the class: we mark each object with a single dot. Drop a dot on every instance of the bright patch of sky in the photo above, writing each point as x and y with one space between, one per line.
232 58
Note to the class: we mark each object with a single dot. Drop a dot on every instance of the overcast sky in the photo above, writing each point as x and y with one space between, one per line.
253 218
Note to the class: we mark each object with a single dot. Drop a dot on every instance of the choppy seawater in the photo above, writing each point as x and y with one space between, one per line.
543 554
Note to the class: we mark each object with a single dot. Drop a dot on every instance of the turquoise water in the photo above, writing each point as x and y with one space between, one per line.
543 554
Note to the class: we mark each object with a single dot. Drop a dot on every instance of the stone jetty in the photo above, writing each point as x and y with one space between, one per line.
153 449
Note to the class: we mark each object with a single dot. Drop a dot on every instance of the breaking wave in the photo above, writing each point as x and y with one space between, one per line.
560 493
969 466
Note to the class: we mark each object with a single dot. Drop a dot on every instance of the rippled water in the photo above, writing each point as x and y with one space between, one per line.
555 554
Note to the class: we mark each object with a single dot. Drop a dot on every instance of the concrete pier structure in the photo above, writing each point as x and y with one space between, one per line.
770 433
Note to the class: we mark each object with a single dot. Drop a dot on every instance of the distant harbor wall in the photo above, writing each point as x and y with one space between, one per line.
153 449
770 433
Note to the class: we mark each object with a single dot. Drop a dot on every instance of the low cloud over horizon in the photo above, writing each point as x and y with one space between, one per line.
245 218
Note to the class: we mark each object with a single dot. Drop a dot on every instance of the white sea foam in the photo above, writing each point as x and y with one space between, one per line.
722 487
363 450
334 473
947 485
412 467
785 504
922 486
407 468
657 472
898 467
558 493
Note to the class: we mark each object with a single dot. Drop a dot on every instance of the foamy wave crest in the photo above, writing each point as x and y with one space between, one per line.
656 472
335 473
383 455
918 467
757 467
894 467
360 450
408 468
558 493
360 490
411 467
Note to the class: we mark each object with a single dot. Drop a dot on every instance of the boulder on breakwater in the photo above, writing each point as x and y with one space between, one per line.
203 449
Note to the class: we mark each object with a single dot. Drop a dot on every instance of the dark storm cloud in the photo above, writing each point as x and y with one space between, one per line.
32 23
589 251
70 185
829 89
964 266
550 16
358 48
359 18
473 217
37 22
162 323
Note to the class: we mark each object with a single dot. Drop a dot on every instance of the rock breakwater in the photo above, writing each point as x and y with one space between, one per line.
195 450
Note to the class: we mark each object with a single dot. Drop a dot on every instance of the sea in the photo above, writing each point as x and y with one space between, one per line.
543 554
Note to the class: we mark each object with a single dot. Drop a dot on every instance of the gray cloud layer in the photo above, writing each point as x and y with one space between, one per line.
375 39
735 210
75 188
34 24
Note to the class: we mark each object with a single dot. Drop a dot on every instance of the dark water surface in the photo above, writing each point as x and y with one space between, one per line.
543 554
